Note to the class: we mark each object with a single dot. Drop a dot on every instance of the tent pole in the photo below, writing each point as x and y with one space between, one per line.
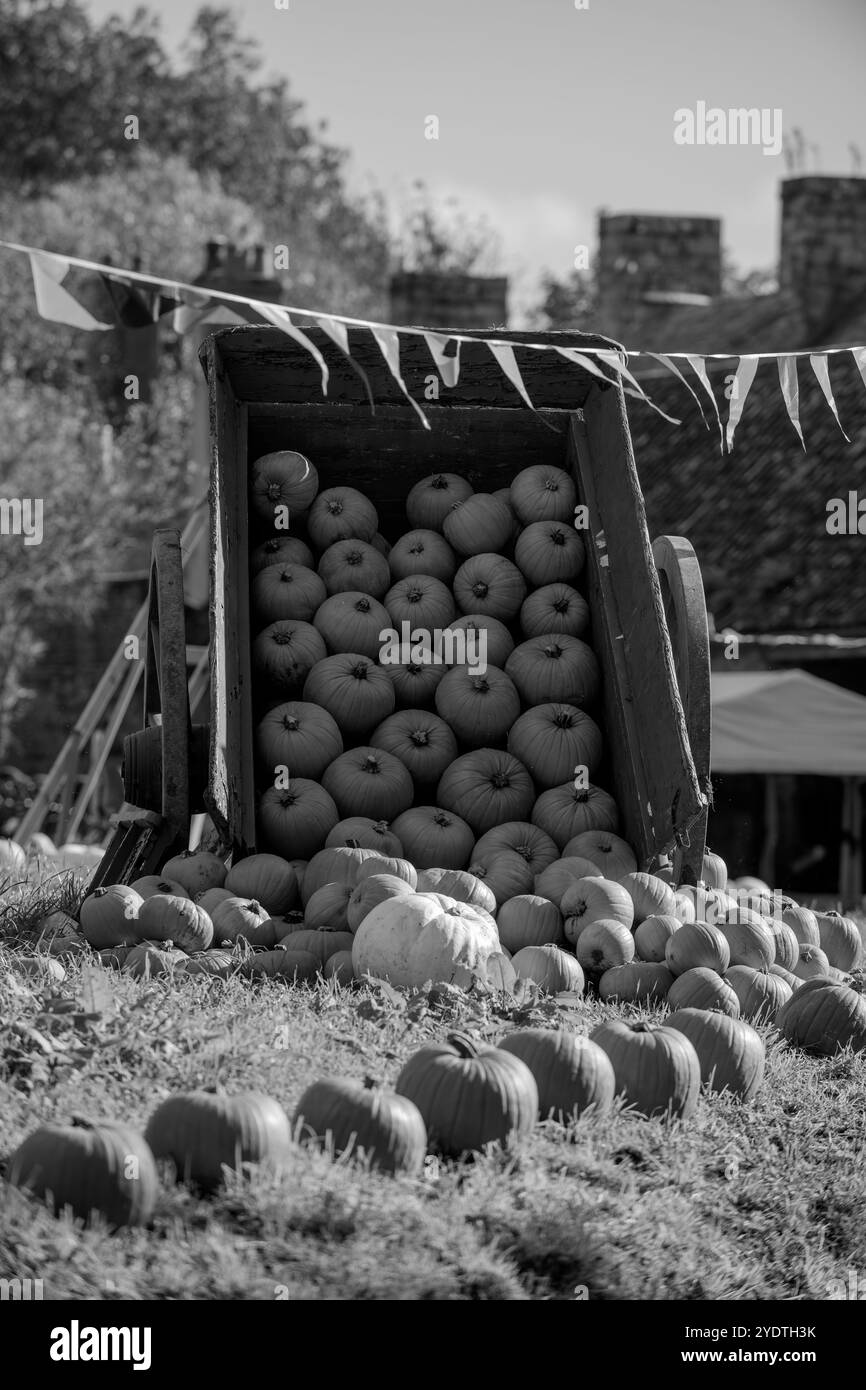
771 831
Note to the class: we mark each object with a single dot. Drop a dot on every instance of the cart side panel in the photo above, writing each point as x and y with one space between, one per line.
654 777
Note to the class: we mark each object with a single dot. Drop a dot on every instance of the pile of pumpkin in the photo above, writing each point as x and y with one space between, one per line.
447 753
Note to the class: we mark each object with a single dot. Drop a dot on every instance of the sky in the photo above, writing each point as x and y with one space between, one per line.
548 113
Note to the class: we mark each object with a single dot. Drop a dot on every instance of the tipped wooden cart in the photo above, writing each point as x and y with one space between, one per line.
648 615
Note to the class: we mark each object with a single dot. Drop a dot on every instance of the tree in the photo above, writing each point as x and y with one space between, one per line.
568 304
440 237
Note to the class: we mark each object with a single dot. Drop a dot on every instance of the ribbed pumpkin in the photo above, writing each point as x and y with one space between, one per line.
785 945
422 602
104 1170
422 741
458 884
840 939
294 821
418 937
505 872
572 1074
822 1017
697 944
469 1094
321 943
549 552
369 892
760 993
653 934
356 1118
367 781
196 870
164 917
326 910
433 837
390 864
567 810
286 591
656 1068
150 959
281 550
485 788
341 513
714 872
422 552
651 896
414 683
551 968
339 967
430 501
152 883
353 566
749 939
379 543
602 944
811 964
480 709
216 962
109 916
803 923
613 856
554 608
300 736
491 586
282 479
635 982
485 636
285 654
246 918
529 920
352 622
211 898
543 493
552 739
554 881
268 878
787 975
204 1132
338 865
356 693
730 1052
703 988
555 667
593 899
524 839
360 832
684 908
504 494
478 524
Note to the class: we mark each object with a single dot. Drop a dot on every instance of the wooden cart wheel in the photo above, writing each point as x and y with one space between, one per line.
686 613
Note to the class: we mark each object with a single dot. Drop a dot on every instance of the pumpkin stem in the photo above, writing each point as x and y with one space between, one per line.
561 605
555 651
580 796
479 589
353 557
291 722
439 482
551 485
500 779
381 827
282 639
480 683
286 577
464 1045
371 764
335 506
362 606
441 819
563 720
360 672
557 537
273 491
420 738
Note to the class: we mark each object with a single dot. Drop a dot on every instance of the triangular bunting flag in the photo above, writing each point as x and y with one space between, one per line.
791 392
52 301
742 383
819 367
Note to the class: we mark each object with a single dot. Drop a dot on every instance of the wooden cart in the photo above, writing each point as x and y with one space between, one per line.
647 605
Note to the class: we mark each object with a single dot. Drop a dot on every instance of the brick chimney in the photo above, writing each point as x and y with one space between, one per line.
646 259
428 299
822 259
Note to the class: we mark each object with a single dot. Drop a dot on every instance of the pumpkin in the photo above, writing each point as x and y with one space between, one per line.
730 1052
430 501
369 893
554 609
840 939
281 550
321 944
295 820
592 899
286 591
360 832
285 653
480 709
823 1017
635 982
812 963
749 939
485 788
422 742
549 552
351 1117
543 493
703 988
412 938
339 967
244 917
354 567
684 908
603 944
150 959
422 602
787 975
114 957
469 1094
339 864
504 494
292 966
267 878
652 936
554 881
422 552
457 884
216 962
414 683
803 923
478 524
196 870
104 1169
352 622
573 1074
505 873
656 1068
367 781
326 909
485 639
761 994
282 479
552 739
714 871
529 920
522 838
298 736
43 968
491 586
379 543
555 668
341 513
567 810
551 968
707 904
155 883
613 856
785 947
393 866
204 1132
432 837
497 973
12 856
164 917
355 692
697 944
651 896
109 916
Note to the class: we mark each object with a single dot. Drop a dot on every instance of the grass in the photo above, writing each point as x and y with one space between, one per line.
765 1201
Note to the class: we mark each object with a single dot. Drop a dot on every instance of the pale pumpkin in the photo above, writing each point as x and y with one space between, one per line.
411 939
458 884
395 867
812 963
652 935
803 922
551 968
651 896
164 917
592 899
603 944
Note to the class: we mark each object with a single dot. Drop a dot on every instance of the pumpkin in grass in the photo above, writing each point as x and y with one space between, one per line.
148 960
340 514
290 966
651 896
295 820
555 668
339 864
749 939
164 917
803 922
433 837
480 524
552 969
529 920
613 856
367 781
656 1067
635 982
697 944
300 736
703 988
281 550
413 938
266 877
422 552
155 883
109 916
761 994
594 899
485 788
216 962
422 602
491 586
731 1054
602 944
354 690
392 865
567 810
422 742
485 638
840 939
652 935
521 837
369 893
824 1016
318 942
196 870
554 881
430 500
414 683
458 884
327 908
103 1170
286 591
480 709
243 917
552 739
282 479
362 832
549 552
339 967
543 493
353 566
786 948
554 608
469 1094
351 622
573 1074
285 653
204 1132
811 964
351 1117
